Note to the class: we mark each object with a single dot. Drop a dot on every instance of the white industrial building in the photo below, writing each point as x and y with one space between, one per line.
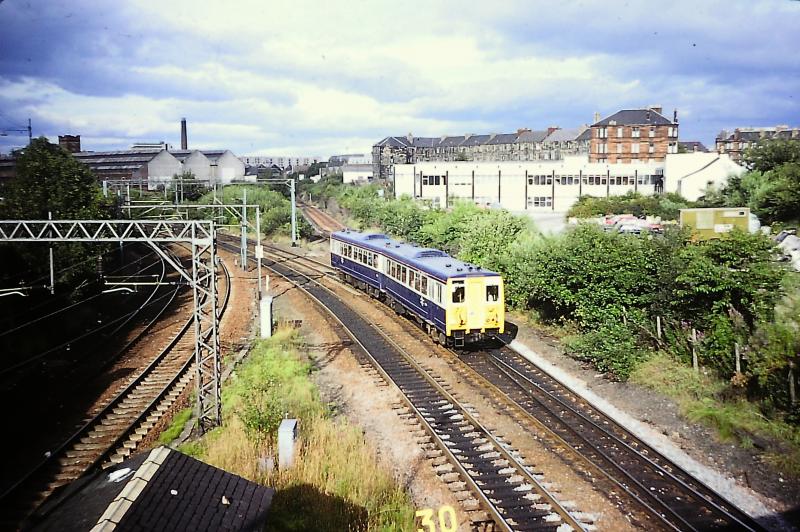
356 173
547 186
159 167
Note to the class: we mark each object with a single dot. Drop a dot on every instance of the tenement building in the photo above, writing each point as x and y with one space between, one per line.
524 145
634 135
734 143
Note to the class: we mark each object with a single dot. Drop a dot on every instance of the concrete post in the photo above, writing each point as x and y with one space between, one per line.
287 434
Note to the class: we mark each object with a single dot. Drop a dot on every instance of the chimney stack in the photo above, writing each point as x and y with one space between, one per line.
184 141
71 143
596 117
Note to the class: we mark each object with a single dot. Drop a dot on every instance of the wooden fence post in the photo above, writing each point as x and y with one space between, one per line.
695 363
738 357
658 327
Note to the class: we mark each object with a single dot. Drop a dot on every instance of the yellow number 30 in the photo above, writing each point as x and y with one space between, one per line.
447 519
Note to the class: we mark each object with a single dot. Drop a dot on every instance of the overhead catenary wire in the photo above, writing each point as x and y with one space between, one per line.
81 302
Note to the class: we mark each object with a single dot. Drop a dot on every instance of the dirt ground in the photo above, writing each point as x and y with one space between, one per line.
363 399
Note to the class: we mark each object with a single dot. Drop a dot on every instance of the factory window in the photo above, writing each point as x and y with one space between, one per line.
635 147
602 133
635 132
540 201
492 293
619 132
652 132
458 291
651 148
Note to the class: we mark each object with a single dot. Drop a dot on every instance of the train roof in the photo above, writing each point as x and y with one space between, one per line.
432 261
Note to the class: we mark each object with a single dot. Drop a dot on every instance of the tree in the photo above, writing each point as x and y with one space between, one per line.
770 154
51 180
190 190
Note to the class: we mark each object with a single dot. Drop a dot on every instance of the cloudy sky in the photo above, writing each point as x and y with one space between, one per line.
320 78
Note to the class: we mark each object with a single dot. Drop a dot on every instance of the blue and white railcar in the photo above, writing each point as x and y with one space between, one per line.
454 301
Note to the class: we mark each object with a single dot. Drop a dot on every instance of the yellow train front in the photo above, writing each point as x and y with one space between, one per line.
455 302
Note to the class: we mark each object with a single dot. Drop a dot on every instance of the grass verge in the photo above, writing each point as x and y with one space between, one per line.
336 483
707 399
176 427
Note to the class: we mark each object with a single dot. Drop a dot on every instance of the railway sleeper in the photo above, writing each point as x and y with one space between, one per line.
450 477
82 446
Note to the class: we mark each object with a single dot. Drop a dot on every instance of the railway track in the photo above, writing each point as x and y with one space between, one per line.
116 430
471 457
320 220
671 497
667 496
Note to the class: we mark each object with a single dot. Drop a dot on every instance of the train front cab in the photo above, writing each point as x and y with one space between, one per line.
475 308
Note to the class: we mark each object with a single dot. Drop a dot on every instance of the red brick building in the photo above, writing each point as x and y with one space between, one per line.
634 135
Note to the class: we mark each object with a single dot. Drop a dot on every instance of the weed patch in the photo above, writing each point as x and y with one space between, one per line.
176 427
705 398
336 482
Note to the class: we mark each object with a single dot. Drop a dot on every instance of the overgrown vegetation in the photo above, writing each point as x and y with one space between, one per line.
276 210
666 206
336 483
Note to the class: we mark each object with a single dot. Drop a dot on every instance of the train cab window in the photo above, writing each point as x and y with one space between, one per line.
492 293
458 292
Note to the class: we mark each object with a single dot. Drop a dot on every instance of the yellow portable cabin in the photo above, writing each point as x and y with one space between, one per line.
713 222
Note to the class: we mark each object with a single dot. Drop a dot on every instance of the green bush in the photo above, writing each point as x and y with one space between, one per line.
666 206
611 347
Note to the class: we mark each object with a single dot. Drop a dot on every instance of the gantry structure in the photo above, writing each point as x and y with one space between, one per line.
200 236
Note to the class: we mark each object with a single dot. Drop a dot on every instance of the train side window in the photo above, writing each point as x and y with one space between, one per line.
438 293
417 281
492 293
458 292
424 285
403 274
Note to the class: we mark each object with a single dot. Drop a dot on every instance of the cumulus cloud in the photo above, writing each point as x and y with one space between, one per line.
316 77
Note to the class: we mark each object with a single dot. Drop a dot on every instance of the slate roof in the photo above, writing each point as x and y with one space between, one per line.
532 136
425 142
432 261
564 135
503 138
396 142
160 490
586 135
636 117
451 142
476 140
693 145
